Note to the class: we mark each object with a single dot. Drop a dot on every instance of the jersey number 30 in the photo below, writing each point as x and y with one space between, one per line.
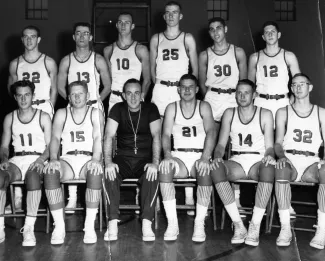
304 136
222 70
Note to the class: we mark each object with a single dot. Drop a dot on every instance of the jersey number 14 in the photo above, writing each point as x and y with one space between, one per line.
247 140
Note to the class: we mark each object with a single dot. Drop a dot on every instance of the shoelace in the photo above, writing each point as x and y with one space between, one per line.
237 227
253 230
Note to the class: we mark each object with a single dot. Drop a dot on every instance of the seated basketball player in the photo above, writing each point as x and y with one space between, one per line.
250 129
192 125
30 131
80 128
299 134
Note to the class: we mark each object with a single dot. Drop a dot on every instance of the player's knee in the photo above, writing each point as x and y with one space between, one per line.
33 180
284 173
94 181
166 177
205 180
267 173
52 181
4 180
219 175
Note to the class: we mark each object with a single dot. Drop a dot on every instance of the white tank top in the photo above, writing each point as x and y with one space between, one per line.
272 75
188 132
37 73
27 136
77 136
125 65
247 136
85 71
303 133
172 60
222 69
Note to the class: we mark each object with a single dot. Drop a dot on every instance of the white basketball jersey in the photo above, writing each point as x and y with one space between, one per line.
247 136
222 69
37 73
272 75
77 136
85 71
188 132
303 133
27 136
125 65
172 60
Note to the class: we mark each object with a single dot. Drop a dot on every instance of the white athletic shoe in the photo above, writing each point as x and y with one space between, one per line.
72 203
147 233
253 234
90 236
28 235
2 234
112 230
292 212
58 235
318 240
199 232
172 230
240 233
285 236
190 202
18 205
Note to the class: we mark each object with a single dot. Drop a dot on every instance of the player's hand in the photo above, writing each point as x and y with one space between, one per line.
52 166
202 167
38 165
280 164
166 164
320 163
95 167
152 170
4 165
110 171
268 160
215 163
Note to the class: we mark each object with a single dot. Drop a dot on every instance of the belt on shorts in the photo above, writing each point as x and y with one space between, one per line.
189 150
169 83
243 152
301 152
91 102
38 102
219 90
273 97
24 153
78 152
117 93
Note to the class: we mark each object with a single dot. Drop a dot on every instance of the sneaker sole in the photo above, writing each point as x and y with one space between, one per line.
57 242
251 243
190 213
29 244
148 239
110 238
316 246
283 244
237 241
198 239
70 211
173 238
90 241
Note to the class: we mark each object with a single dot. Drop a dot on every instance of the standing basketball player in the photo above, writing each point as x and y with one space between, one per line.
126 59
250 129
80 128
191 123
30 131
300 129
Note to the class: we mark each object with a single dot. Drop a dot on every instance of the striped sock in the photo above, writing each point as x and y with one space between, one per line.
263 193
55 198
283 194
225 192
33 200
167 191
203 195
3 199
92 197
321 197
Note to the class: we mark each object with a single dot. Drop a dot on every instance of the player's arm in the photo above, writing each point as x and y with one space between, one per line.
53 72
153 56
252 67
107 55
13 77
268 129
103 70
190 45
143 54
57 129
63 76
292 62
280 129
5 141
203 67
322 124
242 62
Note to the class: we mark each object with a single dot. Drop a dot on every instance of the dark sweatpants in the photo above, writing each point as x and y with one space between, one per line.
130 167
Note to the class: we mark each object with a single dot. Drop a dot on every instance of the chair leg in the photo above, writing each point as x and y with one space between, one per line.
156 218
47 220
267 219
100 214
214 215
272 214
13 207
223 217
62 188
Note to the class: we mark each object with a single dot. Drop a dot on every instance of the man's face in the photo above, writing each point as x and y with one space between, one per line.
271 34
24 97
124 24
133 95
217 31
301 87
172 15
187 90
78 96
244 95
82 36
30 39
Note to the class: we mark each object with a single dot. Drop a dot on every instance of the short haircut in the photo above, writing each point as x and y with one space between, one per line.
247 82
31 27
302 75
217 19
77 83
126 13
267 23
129 81
23 83
173 3
188 76
84 24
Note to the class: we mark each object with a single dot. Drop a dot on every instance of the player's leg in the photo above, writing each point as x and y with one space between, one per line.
231 171
265 177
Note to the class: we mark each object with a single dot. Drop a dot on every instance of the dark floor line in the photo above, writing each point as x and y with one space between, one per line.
225 253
